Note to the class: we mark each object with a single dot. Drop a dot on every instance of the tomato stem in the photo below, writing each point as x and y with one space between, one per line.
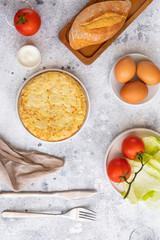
123 177
22 19
140 157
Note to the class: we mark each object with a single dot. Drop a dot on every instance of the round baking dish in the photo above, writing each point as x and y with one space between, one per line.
84 91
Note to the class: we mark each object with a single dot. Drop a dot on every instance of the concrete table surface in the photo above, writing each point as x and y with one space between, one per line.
85 153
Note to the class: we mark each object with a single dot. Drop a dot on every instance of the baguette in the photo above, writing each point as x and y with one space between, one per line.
98 23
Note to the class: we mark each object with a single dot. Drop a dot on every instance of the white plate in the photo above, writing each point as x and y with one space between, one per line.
116 86
115 149
76 79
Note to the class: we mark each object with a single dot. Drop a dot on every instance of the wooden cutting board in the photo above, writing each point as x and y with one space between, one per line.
89 54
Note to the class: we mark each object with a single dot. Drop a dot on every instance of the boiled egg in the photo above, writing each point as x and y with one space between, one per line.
125 70
134 92
148 72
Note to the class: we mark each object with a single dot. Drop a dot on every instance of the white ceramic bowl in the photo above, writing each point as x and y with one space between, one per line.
116 86
29 56
115 149
83 88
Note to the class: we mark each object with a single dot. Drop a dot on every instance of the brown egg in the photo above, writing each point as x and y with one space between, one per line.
148 72
134 92
125 70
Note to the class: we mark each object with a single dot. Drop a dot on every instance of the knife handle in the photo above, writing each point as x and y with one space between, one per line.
72 194
27 194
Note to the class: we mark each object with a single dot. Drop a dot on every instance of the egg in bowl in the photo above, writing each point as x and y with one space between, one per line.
53 106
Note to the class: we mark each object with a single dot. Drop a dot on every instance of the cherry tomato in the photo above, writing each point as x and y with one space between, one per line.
117 168
131 146
27 21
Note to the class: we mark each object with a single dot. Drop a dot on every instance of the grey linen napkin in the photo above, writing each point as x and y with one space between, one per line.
19 169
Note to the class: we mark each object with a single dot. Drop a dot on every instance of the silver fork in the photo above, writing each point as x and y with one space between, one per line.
78 214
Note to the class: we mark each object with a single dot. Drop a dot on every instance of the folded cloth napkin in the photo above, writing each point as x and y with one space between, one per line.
19 169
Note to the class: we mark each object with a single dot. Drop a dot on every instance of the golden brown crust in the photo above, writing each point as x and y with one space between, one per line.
52 106
98 23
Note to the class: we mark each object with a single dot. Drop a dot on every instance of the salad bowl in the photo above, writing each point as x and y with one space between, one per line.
115 150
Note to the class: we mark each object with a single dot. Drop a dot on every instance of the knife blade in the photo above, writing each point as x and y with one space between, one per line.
71 194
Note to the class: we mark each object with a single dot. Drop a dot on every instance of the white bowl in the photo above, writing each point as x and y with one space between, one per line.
115 149
83 88
116 86
29 56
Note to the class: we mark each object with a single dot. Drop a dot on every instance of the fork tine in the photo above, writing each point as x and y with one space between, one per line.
83 216
87 210
88 214
87 218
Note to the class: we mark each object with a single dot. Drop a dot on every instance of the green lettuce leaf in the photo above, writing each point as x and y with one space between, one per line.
146 186
152 145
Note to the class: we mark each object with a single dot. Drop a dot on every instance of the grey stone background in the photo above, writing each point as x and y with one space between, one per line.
85 153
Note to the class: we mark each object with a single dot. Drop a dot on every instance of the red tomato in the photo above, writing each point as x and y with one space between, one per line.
27 21
117 168
131 146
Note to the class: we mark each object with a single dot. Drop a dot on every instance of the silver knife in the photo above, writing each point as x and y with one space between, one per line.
73 194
